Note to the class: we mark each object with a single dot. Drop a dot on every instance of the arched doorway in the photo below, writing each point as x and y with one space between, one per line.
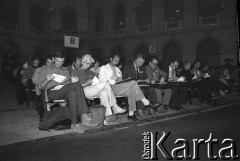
208 52
171 52
69 18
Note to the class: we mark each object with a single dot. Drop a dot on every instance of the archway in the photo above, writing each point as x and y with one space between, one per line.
171 51
208 52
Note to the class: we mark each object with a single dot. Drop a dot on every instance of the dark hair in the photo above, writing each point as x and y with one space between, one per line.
59 55
175 60
36 58
140 56
187 62
115 54
152 58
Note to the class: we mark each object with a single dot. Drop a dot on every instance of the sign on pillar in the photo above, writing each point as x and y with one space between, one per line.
71 41
152 49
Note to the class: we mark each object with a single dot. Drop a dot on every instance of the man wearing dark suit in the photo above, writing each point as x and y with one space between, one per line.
156 75
75 65
136 71
178 93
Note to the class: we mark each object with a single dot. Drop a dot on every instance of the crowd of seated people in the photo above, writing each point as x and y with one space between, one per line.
86 78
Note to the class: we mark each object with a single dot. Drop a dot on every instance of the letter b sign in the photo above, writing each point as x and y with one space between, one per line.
71 41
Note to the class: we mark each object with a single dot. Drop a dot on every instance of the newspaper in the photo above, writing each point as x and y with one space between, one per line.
58 78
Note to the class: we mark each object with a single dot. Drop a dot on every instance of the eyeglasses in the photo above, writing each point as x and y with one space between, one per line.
154 64
87 63
176 65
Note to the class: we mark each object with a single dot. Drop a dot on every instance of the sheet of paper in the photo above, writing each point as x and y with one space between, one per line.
206 75
95 80
58 78
181 79
162 83
58 87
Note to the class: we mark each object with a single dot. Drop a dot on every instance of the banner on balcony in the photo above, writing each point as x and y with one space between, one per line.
152 49
71 41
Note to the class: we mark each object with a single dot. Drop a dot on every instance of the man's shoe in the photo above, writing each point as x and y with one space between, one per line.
111 118
118 110
153 106
107 123
180 107
160 109
140 115
133 118
89 123
152 113
77 128
166 108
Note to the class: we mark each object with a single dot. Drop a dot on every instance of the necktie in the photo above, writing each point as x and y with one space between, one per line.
137 73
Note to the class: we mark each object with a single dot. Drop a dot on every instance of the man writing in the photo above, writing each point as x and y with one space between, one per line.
71 91
111 73
135 70
155 74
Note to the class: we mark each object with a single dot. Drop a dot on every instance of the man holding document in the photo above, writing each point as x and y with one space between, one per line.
135 70
94 88
58 83
111 73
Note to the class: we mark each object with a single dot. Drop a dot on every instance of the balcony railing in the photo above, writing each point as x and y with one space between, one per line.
172 25
143 29
61 33
54 34
9 27
118 32
40 33
209 21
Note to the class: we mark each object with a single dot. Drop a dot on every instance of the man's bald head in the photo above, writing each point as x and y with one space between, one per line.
77 64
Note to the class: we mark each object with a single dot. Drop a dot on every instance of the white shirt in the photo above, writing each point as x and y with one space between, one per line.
106 73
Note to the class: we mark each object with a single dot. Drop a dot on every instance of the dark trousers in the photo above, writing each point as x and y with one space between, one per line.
178 95
150 94
74 94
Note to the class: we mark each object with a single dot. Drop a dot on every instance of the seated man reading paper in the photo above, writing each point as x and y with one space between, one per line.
55 75
94 88
135 70
111 73
156 75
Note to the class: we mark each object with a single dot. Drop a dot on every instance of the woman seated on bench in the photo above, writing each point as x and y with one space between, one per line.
94 88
